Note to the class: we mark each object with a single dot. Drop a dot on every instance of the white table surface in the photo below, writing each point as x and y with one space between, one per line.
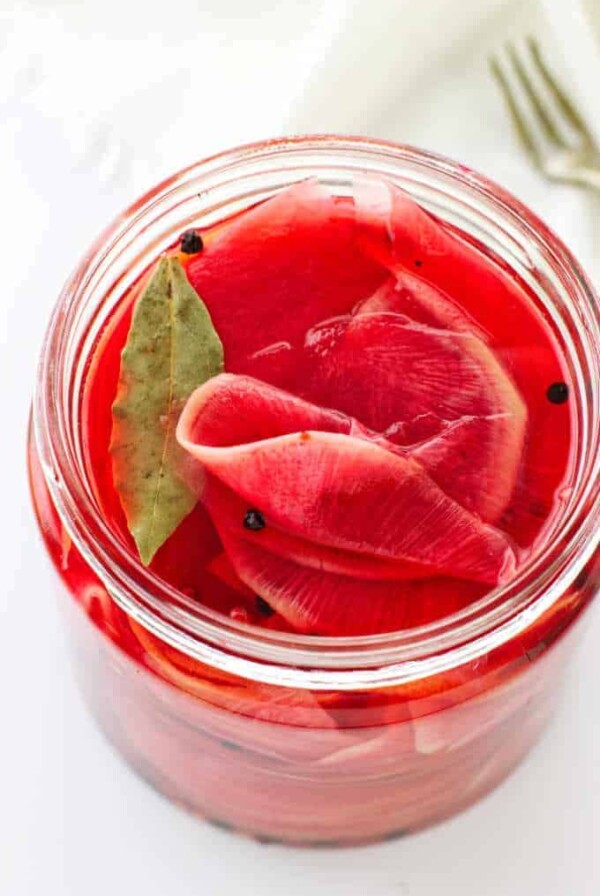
75 146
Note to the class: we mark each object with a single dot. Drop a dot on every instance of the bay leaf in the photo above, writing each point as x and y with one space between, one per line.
172 348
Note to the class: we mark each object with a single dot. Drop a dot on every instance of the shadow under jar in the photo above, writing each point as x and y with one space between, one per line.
306 739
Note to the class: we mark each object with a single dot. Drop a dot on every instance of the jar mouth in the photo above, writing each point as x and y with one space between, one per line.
307 660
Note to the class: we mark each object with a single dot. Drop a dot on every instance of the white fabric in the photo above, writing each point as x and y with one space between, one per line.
98 100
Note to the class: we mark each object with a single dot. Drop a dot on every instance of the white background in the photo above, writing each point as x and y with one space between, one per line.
98 101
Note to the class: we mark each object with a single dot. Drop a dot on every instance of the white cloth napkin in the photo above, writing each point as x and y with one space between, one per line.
383 54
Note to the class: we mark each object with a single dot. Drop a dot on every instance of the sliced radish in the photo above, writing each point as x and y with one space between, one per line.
325 603
387 372
280 268
407 294
346 492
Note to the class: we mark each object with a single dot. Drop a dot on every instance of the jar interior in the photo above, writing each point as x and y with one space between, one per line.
222 188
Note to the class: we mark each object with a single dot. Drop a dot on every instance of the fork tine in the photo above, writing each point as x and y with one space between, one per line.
521 125
545 120
570 111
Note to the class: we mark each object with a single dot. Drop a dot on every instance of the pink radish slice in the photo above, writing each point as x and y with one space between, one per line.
346 492
280 268
329 604
387 372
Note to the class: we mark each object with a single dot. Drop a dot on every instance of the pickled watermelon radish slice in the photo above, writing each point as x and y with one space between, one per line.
222 568
289 724
402 236
269 412
346 492
302 243
386 372
322 603
381 369
387 750
462 723
465 459
412 296
228 509
232 409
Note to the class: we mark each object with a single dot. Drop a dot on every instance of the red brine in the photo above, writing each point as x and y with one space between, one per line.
391 436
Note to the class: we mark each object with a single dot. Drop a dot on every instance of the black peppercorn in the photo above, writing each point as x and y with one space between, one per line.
263 607
254 520
191 242
557 393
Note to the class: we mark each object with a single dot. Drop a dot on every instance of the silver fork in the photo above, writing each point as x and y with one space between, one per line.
550 127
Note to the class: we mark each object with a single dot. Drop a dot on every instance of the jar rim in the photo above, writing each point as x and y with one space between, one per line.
306 660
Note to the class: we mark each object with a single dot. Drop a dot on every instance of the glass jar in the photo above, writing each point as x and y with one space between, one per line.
312 740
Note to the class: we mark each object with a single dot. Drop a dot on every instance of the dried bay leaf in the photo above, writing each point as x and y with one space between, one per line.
172 348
